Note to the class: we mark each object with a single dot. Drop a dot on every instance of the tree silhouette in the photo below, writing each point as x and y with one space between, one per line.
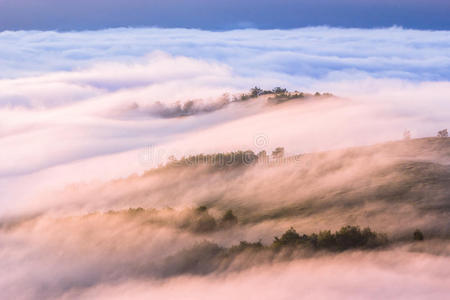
255 92
418 235
443 133
278 153
229 219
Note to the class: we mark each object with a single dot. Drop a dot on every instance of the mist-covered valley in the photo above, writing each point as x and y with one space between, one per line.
221 216
310 163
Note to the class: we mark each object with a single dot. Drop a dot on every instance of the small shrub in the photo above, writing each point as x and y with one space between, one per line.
256 91
418 235
279 90
229 219
199 220
278 153
201 209
289 238
443 133
134 211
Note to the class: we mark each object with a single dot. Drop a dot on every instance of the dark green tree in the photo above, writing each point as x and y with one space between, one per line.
201 209
255 92
229 219
326 239
418 235
349 237
278 153
278 90
289 238
443 133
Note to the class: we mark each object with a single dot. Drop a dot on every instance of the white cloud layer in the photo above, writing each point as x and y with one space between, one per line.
308 52
84 100
83 106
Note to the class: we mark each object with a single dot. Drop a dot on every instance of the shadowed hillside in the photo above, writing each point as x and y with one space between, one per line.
195 216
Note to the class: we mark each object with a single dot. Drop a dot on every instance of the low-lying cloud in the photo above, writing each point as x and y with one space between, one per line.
89 107
102 97
376 276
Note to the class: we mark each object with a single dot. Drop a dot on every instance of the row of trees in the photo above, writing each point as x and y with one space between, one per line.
277 93
197 220
207 257
348 237
230 159
201 221
243 158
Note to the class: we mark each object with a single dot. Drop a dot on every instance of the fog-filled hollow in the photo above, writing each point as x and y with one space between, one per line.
187 164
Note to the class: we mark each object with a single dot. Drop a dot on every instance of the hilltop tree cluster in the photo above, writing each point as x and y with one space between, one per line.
348 237
278 94
208 257
230 159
